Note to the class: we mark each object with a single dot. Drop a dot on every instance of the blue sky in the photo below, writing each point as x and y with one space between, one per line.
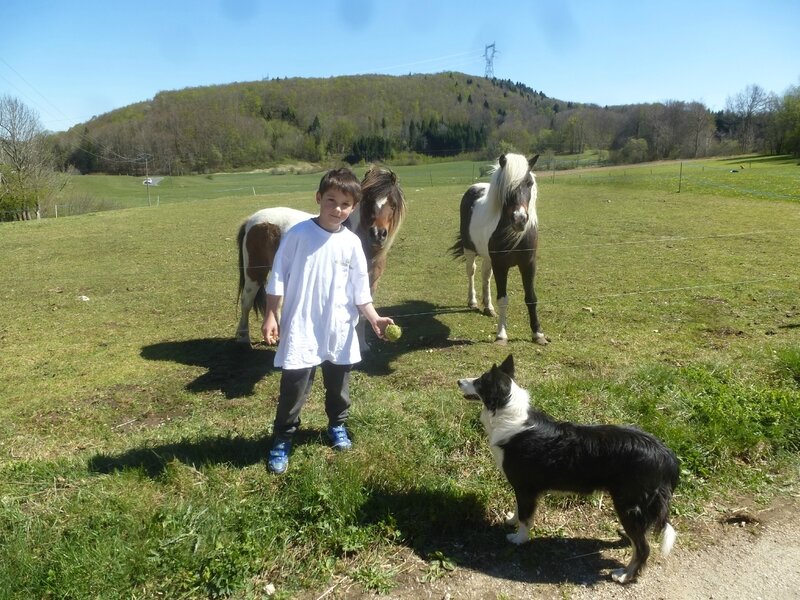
70 61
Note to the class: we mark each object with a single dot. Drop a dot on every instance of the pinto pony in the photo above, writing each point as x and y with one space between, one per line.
376 220
498 222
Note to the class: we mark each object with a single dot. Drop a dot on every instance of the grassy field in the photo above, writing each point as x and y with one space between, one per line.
133 431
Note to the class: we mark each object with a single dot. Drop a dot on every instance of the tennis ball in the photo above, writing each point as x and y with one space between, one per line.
393 332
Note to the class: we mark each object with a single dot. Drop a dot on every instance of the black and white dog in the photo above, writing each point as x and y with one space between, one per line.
537 454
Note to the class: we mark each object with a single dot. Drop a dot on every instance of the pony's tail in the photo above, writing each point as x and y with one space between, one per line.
457 249
260 302
239 243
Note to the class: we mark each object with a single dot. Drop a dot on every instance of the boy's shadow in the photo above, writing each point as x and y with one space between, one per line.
421 330
435 523
234 450
232 368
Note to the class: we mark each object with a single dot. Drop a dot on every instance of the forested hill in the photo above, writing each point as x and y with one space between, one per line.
371 118
251 124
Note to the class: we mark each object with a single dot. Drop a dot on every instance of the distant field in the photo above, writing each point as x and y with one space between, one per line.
771 178
766 178
134 431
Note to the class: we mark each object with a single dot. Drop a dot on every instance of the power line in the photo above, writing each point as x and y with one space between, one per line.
110 154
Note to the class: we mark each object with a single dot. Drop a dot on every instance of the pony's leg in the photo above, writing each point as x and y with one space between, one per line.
528 273
501 279
248 297
486 287
472 300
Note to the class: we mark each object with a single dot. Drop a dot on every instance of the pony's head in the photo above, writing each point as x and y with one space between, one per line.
515 186
382 208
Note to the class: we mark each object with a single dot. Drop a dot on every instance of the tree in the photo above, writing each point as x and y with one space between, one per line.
748 105
700 129
27 177
788 121
635 150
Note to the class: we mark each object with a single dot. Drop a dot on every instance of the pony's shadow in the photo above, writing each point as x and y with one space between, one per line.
435 523
232 368
421 329
235 451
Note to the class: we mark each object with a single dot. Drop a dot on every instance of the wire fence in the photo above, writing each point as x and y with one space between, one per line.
745 180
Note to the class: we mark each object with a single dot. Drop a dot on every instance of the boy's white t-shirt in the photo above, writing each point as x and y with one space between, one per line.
323 278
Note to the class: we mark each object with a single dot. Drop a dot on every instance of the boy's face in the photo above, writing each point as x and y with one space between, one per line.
334 208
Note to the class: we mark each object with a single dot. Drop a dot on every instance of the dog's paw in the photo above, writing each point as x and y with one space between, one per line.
511 518
620 576
518 538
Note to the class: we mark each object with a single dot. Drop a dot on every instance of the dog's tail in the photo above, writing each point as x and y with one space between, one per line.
660 506
668 536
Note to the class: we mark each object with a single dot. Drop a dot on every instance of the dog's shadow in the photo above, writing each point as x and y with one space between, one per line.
231 367
439 524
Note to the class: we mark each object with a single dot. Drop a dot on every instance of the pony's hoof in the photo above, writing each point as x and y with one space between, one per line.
472 305
488 312
501 341
243 340
539 338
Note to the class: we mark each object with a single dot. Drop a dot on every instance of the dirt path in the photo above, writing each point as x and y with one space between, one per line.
750 555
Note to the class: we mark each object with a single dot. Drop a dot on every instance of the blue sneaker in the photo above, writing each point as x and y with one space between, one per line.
339 439
279 457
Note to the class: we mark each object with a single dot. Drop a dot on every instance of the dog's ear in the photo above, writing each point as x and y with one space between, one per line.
495 370
508 366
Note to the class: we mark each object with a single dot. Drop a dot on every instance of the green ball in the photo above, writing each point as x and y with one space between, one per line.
393 332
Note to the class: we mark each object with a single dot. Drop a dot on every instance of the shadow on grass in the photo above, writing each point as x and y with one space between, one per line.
421 330
761 159
229 450
434 523
232 368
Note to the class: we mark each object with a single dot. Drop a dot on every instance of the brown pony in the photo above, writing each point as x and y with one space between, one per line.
376 220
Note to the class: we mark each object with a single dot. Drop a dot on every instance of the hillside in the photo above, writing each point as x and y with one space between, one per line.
369 118
258 123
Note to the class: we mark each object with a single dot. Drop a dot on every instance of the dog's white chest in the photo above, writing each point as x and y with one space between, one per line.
491 433
498 454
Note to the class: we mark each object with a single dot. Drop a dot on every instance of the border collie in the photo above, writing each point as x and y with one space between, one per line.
538 454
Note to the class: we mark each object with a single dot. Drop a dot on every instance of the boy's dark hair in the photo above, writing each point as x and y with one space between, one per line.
342 179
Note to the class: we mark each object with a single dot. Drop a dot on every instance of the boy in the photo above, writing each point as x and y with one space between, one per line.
320 272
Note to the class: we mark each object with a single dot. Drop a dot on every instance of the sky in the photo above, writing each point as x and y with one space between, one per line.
71 61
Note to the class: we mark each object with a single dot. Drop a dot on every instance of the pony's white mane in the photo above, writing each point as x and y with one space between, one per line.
509 177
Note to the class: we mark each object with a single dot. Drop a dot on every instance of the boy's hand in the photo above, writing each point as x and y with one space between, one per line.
270 330
380 325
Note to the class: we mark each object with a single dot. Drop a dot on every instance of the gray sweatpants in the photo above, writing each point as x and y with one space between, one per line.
296 387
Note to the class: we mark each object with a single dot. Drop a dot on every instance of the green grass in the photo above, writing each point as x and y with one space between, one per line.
757 177
100 192
133 431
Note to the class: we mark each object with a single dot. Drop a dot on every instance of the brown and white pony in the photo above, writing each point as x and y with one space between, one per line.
376 220
498 222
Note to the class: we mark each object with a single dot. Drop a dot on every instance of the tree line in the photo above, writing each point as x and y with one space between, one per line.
373 118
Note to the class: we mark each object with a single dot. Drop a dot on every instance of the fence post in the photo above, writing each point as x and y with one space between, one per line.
680 178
